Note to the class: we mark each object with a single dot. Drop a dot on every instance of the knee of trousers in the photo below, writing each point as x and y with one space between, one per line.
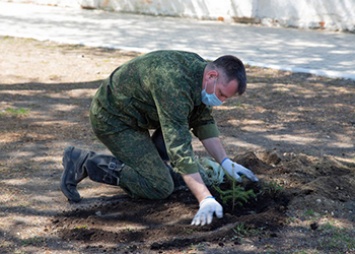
162 189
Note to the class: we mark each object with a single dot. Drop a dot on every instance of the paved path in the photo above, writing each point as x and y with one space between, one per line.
322 53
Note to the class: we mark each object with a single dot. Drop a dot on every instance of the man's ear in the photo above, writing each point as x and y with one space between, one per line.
212 74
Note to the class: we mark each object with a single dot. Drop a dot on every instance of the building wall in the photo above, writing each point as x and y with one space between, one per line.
314 14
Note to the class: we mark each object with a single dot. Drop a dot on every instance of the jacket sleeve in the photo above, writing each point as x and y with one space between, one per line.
174 107
203 124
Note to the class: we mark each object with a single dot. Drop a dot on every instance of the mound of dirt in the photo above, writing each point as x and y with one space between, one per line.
295 131
165 224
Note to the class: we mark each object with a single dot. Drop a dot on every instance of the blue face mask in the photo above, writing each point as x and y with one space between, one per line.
210 99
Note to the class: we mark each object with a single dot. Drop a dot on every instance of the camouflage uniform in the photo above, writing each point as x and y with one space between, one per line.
158 89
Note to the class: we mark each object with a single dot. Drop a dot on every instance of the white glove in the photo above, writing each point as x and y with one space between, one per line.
235 170
208 207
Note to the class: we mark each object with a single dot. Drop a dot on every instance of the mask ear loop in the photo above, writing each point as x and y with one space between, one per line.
214 90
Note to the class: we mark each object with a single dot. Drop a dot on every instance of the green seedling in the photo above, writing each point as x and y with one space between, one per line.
271 188
237 194
242 230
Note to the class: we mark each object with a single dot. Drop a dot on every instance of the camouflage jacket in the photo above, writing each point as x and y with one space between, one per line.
162 88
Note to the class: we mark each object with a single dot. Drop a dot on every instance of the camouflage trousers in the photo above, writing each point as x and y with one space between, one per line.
145 174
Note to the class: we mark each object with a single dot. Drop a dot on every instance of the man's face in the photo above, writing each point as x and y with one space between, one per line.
223 90
226 90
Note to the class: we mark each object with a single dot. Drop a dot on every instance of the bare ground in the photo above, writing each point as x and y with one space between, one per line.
295 131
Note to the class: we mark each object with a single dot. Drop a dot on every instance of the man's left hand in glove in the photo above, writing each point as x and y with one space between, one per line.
236 170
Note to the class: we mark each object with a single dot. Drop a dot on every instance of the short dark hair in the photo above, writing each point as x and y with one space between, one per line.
234 69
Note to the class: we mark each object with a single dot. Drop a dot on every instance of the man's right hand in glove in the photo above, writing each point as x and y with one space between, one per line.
208 207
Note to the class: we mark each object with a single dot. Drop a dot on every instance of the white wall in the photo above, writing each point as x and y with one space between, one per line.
328 14
333 15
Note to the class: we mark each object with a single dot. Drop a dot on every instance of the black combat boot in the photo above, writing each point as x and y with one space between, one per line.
79 164
74 172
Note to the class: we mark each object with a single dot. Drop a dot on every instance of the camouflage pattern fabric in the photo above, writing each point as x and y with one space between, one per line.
158 89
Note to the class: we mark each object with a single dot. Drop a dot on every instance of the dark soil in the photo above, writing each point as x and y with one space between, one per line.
295 131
